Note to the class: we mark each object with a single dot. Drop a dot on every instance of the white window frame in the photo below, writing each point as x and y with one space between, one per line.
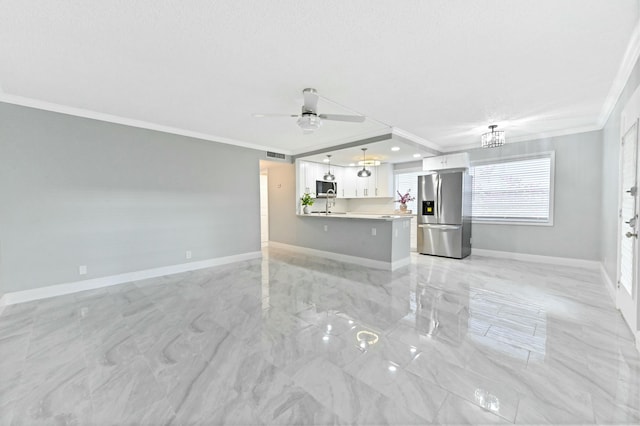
546 154
395 183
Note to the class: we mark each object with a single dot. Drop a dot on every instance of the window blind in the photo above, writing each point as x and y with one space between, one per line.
405 182
513 190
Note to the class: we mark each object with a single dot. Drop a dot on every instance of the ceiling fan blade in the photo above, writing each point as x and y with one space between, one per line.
340 117
310 100
258 115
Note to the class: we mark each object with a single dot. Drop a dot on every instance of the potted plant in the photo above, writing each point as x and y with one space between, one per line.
307 201
404 199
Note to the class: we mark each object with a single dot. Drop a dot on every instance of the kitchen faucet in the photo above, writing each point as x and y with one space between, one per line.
330 191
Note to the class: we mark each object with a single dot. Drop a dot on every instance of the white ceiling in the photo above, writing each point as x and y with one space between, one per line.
441 70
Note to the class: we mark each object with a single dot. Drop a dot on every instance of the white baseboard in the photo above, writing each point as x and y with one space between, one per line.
565 261
363 261
611 287
77 286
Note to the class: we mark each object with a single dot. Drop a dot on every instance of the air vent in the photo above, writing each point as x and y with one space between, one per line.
275 155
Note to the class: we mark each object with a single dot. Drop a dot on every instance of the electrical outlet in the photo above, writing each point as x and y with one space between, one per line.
188 254
396 232
326 228
373 231
82 269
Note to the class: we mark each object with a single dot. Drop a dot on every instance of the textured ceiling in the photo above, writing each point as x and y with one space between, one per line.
440 69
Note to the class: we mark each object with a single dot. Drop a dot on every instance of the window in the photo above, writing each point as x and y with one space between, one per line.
515 190
405 182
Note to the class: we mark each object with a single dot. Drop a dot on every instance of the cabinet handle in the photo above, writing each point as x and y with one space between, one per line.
376 192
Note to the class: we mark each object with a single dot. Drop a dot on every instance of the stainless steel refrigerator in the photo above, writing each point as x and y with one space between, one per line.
444 214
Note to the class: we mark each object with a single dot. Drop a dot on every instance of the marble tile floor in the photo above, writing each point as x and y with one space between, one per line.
296 339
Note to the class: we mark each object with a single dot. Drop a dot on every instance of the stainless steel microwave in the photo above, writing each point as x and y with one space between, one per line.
323 186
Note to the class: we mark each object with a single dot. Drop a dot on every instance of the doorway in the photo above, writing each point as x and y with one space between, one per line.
264 205
627 299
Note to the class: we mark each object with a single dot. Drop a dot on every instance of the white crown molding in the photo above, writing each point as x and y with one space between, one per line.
526 138
631 55
416 139
362 261
77 286
85 113
551 260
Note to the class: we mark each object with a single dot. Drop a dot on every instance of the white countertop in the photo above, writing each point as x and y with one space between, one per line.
387 217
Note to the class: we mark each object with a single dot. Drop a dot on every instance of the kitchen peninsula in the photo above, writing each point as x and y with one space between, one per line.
375 240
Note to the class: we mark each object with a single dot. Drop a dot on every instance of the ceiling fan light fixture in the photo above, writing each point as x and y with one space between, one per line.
309 122
493 139
328 176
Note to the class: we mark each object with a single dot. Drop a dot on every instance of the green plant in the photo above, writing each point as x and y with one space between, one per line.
307 200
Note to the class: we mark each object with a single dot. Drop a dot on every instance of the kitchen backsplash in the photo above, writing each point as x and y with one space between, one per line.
371 205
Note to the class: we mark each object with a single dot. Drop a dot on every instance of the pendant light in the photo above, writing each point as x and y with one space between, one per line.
364 172
329 176
493 139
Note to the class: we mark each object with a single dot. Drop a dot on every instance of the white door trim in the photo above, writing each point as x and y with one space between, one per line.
628 306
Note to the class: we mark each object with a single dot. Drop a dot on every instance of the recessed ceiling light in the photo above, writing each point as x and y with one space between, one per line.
352 164
395 148
417 155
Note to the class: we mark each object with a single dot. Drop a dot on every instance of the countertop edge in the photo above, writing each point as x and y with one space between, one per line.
388 218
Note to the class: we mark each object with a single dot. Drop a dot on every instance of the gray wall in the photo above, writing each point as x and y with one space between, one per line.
76 191
611 170
576 227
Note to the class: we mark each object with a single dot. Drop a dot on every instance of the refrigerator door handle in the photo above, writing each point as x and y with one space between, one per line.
439 198
441 227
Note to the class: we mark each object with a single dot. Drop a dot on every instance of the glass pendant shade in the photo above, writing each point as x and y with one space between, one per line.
364 172
329 176
493 138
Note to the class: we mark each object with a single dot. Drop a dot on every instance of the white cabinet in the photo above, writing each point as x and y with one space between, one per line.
450 161
379 184
308 174
384 181
348 182
362 185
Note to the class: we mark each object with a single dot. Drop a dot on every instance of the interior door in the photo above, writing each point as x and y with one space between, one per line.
627 289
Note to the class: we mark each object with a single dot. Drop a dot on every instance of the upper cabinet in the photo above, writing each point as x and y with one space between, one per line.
449 161
384 181
379 184
308 173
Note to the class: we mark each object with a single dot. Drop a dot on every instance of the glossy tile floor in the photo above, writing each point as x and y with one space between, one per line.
295 339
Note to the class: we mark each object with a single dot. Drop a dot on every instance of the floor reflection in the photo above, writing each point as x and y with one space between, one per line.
297 339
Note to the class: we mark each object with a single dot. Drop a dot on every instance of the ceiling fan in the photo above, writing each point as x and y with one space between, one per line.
309 120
